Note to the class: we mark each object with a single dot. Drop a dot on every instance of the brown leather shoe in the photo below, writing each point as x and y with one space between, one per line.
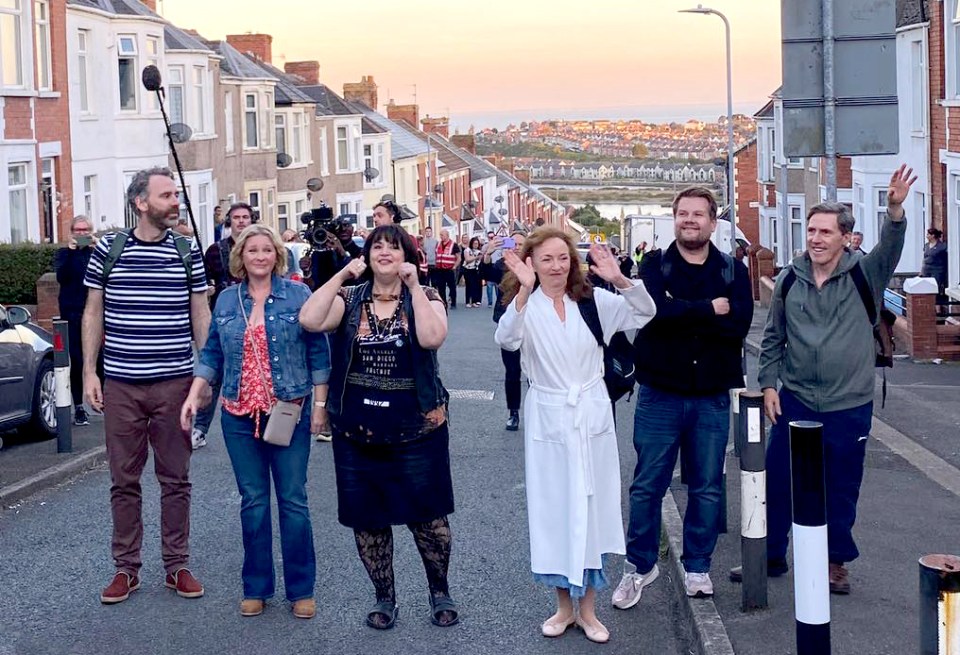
251 607
120 588
305 608
839 582
184 583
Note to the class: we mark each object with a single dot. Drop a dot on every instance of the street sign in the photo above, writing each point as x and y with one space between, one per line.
864 71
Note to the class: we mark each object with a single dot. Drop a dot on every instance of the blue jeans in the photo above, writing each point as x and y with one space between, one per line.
666 423
845 434
491 293
253 464
205 415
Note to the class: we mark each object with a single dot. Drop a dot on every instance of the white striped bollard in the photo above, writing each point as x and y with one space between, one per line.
811 574
61 376
753 502
940 605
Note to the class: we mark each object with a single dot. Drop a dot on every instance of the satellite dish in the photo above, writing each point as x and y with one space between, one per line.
180 132
283 160
498 199
371 173
314 184
503 212
388 197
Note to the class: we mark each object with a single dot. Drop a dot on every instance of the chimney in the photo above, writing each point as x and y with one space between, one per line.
364 91
522 174
258 45
150 4
439 126
409 113
466 141
307 71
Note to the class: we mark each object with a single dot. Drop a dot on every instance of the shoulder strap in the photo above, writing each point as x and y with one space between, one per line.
588 311
224 246
728 268
186 256
789 277
113 255
863 288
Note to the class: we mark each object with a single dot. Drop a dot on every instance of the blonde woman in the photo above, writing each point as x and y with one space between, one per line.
258 350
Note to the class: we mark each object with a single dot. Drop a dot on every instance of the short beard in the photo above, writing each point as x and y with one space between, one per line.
694 244
159 219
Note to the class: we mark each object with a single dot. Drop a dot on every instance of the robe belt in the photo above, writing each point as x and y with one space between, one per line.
574 394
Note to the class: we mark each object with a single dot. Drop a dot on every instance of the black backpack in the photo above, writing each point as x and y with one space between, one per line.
883 340
618 357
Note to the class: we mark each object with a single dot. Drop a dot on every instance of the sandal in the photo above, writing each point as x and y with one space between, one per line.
389 609
441 604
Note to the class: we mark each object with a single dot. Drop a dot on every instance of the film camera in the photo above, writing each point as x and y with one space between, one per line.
319 224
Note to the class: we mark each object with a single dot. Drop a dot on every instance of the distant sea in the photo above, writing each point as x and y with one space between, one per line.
647 113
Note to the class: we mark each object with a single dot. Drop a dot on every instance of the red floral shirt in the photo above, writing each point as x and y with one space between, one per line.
256 382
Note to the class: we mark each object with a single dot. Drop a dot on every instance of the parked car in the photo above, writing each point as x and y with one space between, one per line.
28 397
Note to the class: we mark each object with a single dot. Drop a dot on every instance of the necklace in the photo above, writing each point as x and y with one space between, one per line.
386 297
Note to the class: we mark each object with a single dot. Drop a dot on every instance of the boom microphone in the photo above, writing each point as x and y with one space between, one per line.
151 78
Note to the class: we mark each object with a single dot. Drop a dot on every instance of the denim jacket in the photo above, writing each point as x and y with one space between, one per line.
298 359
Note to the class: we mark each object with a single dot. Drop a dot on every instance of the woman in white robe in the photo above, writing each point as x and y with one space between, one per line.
570 440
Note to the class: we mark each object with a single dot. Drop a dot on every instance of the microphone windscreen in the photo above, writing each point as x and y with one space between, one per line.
151 78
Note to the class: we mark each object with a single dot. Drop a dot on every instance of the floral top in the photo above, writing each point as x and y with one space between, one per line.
256 384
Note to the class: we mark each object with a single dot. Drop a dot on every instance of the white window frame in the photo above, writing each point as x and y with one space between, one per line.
280 131
199 101
921 204
90 197
20 66
253 199
860 208
296 138
203 202
131 53
41 18
918 75
880 198
266 124
83 72
951 26
228 128
19 189
249 112
283 217
271 202
154 46
176 95
324 152
796 223
344 143
298 208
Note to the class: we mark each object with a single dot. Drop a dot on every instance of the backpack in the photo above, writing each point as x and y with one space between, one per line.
120 242
618 357
883 341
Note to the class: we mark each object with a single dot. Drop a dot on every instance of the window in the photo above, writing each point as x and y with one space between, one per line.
228 120
859 210
367 157
775 237
265 121
254 201
297 138
203 202
881 195
355 146
42 22
270 199
17 186
90 196
129 71
283 216
200 122
922 208
918 74
344 208
772 155
796 231
299 208
82 72
153 59
11 43
952 58
280 122
324 154
175 94
250 121
343 147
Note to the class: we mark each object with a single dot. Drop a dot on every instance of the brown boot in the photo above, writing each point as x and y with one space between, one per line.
120 588
251 607
839 582
305 608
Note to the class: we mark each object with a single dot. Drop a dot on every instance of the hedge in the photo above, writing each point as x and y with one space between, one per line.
21 266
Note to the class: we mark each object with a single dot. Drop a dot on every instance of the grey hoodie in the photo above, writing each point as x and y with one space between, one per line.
819 343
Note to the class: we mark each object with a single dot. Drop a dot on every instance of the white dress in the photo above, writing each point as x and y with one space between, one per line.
570 440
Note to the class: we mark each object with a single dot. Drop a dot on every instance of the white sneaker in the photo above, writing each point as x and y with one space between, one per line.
323 436
631 586
198 439
698 585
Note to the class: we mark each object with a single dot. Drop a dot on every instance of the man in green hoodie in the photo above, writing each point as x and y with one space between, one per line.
818 342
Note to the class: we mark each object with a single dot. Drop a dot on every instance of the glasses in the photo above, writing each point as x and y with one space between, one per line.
81 230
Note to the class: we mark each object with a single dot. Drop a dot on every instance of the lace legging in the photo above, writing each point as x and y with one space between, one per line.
433 541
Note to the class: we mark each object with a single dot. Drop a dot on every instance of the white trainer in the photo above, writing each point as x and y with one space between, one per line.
198 439
627 593
698 585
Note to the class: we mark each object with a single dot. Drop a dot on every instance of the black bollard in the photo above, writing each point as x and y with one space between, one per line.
753 502
940 605
811 577
61 376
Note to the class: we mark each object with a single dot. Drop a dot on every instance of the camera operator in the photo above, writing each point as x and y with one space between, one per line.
335 253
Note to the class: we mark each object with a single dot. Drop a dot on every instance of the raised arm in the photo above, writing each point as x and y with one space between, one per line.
879 264
324 309
431 315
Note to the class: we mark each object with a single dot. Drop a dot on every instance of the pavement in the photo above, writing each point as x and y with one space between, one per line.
59 524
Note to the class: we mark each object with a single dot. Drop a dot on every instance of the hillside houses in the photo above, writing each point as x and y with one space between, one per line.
646 171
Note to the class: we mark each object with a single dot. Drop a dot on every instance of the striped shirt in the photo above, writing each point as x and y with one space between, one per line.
146 309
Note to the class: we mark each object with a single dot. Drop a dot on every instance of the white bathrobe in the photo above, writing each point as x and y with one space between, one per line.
570 440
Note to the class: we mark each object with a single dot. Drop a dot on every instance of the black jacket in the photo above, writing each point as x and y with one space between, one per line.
71 267
687 348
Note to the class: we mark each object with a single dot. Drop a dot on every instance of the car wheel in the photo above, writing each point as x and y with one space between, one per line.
43 420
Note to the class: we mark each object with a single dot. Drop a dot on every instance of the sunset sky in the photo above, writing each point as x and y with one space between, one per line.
498 60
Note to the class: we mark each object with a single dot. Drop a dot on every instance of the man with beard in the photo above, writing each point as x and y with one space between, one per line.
688 358
217 258
147 296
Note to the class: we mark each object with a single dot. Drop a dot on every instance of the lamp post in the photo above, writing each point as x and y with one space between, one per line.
700 9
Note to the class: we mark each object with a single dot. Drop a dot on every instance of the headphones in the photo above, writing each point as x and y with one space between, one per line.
391 207
254 216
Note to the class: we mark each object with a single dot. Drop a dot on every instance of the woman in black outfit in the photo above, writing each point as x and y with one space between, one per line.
471 272
388 411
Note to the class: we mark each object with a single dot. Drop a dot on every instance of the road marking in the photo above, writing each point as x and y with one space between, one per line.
470 394
921 385
931 465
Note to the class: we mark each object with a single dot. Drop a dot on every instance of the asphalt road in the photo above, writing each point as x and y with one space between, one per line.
55 557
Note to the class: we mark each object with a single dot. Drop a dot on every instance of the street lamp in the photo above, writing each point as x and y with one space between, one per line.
700 9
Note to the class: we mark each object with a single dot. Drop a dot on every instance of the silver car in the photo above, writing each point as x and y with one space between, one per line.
28 398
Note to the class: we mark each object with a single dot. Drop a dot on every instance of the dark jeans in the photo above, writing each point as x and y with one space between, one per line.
443 279
254 462
697 427
205 415
472 290
511 378
845 434
491 292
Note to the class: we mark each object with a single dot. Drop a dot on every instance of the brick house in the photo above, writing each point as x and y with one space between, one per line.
36 184
747 190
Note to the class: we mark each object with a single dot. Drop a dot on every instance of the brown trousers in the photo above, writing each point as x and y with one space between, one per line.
135 414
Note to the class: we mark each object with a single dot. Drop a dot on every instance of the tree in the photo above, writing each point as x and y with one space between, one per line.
640 151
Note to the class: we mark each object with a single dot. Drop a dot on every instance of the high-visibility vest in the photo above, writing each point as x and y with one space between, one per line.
446 259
